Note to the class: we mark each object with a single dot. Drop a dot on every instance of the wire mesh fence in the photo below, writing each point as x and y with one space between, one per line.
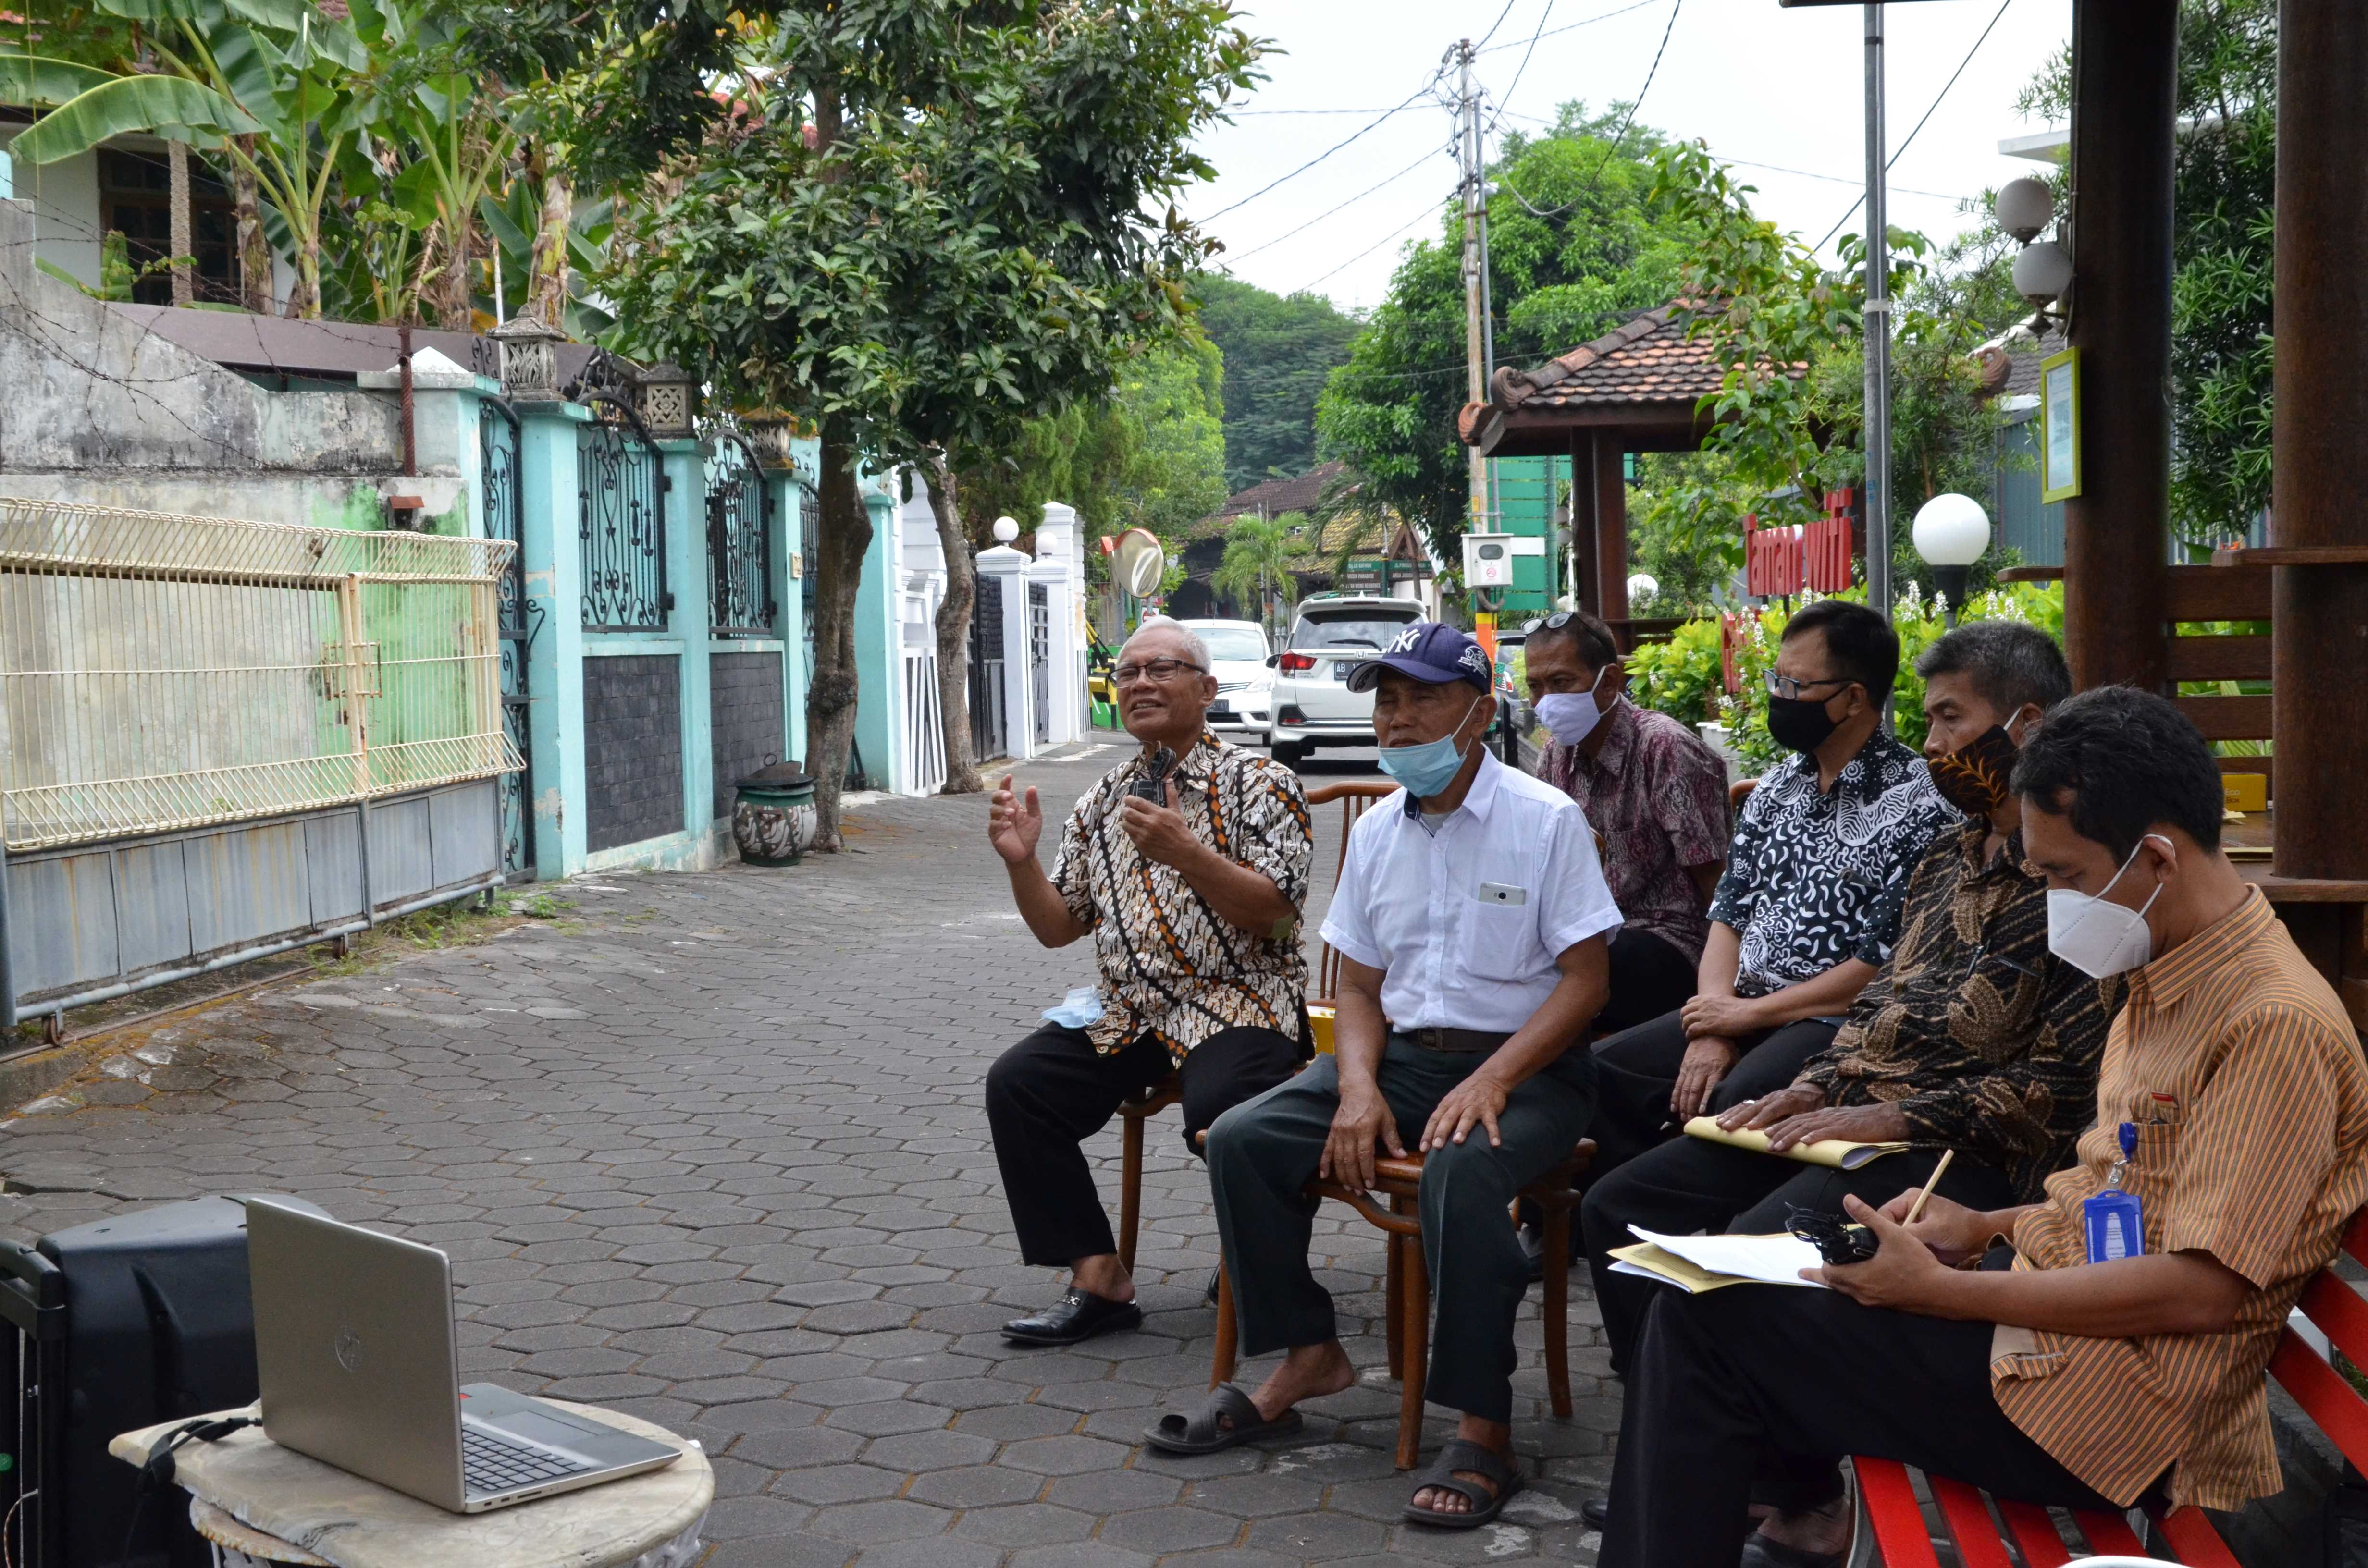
161 671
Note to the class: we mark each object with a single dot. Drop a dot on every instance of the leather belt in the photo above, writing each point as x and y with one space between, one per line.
1461 1042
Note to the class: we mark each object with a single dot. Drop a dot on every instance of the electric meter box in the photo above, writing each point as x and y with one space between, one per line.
1488 561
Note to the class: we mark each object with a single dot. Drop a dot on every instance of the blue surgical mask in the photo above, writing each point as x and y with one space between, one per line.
1429 767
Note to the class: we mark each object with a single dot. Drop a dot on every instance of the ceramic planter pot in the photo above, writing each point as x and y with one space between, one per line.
773 818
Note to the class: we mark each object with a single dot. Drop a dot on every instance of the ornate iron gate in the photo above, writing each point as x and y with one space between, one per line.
620 529
517 620
990 721
1039 660
739 539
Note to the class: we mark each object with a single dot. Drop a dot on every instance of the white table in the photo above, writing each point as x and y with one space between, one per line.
272 1504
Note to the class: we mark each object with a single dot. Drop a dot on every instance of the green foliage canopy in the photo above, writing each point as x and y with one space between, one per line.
1277 352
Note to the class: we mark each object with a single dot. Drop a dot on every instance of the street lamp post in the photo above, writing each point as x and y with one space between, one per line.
1950 533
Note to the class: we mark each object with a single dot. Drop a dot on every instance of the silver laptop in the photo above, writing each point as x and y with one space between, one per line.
353 1343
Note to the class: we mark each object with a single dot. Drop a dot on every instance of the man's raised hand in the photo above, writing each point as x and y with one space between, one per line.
1014 822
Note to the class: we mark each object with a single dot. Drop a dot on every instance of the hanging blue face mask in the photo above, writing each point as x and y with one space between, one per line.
1427 769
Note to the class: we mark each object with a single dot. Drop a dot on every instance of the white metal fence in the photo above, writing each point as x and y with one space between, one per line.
161 672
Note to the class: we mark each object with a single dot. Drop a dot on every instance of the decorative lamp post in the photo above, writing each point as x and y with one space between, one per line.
530 361
667 396
1006 529
1950 531
770 435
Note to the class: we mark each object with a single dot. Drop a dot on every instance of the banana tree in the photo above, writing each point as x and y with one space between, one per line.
273 86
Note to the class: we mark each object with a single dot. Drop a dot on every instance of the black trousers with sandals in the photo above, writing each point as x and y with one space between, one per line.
1757 1392
1049 1093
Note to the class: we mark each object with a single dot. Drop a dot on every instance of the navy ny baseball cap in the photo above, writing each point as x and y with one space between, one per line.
1427 650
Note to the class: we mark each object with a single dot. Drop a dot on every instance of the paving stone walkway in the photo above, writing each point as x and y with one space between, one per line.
711 1149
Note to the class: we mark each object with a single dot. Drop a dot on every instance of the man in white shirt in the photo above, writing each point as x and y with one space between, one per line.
1472 920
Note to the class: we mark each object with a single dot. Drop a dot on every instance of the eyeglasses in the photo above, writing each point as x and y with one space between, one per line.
1161 670
1790 690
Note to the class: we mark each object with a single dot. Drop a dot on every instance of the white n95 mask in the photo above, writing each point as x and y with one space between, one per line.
1571 716
2095 936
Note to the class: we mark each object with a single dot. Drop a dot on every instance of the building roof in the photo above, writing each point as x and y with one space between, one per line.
334 350
1646 377
1276 496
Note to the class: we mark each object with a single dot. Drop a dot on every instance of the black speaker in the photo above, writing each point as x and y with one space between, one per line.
121 1324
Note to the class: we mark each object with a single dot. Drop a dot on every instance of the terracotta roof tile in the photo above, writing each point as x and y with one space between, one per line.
1649 359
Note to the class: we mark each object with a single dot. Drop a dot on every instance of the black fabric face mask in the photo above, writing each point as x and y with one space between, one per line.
1799 723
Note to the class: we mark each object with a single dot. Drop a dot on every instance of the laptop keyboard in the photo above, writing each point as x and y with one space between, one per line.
492 1462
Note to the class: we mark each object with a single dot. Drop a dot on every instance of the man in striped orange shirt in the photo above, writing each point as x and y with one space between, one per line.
1989 1345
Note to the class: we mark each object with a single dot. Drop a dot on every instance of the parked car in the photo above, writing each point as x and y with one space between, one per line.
1240 657
1332 634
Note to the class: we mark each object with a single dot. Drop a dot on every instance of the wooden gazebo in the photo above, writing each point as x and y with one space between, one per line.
1633 390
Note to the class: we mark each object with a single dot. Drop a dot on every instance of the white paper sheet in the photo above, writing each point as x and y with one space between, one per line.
1773 1260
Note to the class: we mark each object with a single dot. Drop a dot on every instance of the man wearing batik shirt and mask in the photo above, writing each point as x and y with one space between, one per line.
1808 907
1187 864
2105 1344
1972 1037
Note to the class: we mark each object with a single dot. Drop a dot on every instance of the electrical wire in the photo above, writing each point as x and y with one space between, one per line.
1428 209
1626 124
1574 26
1523 70
1360 196
1501 22
1928 112
1327 152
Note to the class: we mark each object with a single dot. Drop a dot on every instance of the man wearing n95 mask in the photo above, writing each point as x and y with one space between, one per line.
1471 920
1655 793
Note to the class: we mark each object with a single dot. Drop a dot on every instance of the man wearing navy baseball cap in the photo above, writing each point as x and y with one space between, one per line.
1471 922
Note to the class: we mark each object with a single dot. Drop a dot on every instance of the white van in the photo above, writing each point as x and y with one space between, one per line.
1331 636
1239 655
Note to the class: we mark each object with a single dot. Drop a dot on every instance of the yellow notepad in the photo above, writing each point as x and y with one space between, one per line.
1650 1261
1831 1151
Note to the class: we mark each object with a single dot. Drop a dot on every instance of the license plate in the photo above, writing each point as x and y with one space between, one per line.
1343 668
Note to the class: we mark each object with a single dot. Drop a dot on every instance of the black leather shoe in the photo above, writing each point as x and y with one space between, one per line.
1533 1246
1077 1316
1596 1513
1759 1552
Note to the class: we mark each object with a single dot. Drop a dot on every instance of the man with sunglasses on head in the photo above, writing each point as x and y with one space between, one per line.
1187 864
1471 920
1809 904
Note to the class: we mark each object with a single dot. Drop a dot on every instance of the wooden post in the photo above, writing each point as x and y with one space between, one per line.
2318 628
1582 519
1611 526
2116 581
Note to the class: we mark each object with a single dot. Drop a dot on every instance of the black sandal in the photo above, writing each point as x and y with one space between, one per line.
1461 1453
1201 1434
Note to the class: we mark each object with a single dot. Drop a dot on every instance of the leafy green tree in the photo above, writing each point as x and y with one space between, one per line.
920 224
1277 353
1260 556
2224 196
1575 249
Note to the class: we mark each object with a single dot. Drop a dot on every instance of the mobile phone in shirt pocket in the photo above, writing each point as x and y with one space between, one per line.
1500 936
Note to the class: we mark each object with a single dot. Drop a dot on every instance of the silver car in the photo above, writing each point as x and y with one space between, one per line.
1331 636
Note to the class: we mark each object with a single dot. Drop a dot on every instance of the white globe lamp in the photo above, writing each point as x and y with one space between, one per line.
1642 586
1006 529
1950 531
2025 206
2041 273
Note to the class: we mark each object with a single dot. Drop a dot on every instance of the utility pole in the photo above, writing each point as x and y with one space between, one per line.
1878 334
1475 337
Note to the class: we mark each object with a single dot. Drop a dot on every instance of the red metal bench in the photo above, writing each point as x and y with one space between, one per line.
1891 1517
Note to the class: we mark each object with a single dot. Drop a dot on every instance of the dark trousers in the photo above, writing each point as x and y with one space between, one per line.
1638 1070
1052 1091
1758 1392
1688 1185
1649 977
1262 1153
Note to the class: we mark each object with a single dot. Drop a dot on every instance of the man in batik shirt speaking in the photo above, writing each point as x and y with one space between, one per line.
1187 864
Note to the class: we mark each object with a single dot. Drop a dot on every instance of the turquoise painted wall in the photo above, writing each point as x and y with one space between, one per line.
1526 489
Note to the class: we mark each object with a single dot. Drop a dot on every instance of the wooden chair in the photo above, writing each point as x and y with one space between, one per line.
1407 1287
1891 1526
1354 796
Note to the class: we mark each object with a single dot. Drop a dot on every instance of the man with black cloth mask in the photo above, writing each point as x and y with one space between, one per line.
1809 904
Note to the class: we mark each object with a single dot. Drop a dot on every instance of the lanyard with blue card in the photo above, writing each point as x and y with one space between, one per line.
2115 1219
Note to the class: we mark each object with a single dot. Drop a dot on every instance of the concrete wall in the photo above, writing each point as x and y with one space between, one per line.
93 399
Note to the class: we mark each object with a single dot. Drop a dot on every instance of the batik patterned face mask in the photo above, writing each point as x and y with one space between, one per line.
1973 778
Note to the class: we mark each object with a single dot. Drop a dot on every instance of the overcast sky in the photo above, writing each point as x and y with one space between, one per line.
1759 83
